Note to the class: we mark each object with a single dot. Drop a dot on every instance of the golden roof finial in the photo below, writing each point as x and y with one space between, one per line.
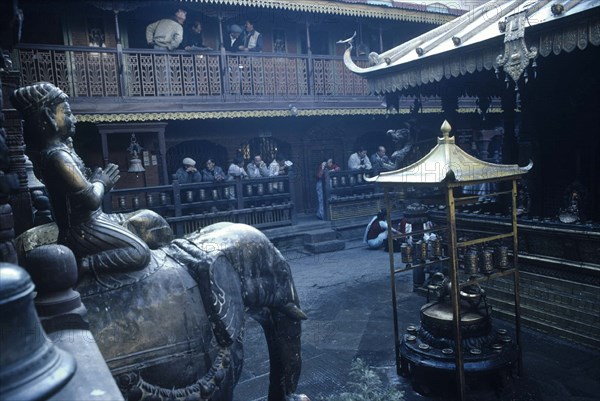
446 128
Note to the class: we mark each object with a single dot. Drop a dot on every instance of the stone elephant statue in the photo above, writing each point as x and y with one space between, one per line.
174 329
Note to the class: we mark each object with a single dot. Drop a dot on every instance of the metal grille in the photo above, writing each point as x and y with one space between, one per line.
344 210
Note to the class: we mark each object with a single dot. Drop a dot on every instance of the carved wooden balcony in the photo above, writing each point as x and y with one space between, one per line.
201 81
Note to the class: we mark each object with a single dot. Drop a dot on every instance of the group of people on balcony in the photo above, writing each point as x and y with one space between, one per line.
171 33
358 160
378 162
257 168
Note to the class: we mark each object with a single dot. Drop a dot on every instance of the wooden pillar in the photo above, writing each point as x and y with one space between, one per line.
224 66
509 141
311 78
120 60
104 140
162 155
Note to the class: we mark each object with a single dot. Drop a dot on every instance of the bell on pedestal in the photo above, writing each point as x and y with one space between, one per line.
31 366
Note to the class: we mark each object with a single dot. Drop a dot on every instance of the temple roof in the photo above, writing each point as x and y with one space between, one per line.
436 13
447 162
476 40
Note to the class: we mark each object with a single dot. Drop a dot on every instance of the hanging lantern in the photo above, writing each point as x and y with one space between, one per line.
135 163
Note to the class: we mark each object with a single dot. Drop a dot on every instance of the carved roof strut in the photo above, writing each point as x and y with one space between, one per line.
447 162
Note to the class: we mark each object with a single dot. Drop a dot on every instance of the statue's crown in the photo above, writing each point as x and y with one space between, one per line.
31 98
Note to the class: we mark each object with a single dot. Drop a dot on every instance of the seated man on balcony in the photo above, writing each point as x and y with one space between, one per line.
381 162
100 241
167 33
187 173
279 166
257 168
212 172
359 160
236 169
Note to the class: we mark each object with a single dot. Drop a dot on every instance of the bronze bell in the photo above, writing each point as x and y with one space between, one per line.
31 367
135 166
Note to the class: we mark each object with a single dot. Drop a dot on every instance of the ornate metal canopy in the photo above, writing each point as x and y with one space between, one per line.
495 35
447 162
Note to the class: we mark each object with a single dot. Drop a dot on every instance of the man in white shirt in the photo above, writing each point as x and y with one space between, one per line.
166 34
359 160
257 168
279 166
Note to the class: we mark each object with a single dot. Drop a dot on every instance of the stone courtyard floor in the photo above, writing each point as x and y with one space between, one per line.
346 295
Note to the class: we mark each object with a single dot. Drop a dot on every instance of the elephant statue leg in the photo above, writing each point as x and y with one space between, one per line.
283 341
267 288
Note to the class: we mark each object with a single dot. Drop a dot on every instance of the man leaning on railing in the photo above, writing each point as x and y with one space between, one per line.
167 33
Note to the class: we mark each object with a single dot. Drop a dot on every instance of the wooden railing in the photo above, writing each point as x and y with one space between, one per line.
209 76
260 202
346 194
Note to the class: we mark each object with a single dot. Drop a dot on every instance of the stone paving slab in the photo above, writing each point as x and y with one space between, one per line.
346 295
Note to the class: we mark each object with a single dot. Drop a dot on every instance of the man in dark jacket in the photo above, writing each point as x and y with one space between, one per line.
187 173
234 40
193 40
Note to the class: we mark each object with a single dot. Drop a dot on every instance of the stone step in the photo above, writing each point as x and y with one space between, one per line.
318 236
571 295
560 316
547 322
325 246
547 327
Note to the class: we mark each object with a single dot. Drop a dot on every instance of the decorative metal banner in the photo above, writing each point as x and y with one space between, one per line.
516 56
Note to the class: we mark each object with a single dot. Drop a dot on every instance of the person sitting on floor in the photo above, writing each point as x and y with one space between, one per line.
376 232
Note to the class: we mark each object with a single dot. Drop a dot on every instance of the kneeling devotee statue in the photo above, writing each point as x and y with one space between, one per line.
103 242
168 315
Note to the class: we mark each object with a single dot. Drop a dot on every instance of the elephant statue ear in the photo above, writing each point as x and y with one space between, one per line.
220 289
